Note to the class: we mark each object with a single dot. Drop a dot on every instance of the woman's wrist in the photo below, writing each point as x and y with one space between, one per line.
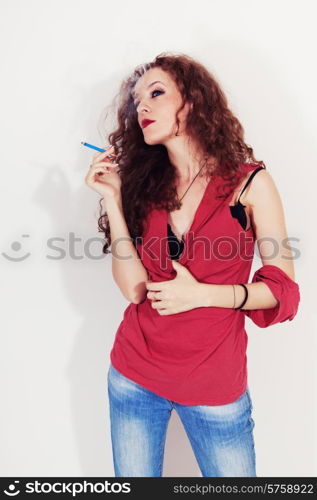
206 293
212 295
109 202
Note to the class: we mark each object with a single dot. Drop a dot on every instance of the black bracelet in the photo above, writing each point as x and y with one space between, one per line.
245 298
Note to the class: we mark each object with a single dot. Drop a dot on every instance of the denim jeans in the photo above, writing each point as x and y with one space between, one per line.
221 436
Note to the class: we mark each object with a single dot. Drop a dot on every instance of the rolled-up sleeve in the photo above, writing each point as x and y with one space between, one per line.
284 289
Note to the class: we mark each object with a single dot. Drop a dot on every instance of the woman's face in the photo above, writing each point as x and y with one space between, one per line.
159 102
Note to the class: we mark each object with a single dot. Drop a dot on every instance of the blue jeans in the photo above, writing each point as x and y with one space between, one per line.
221 436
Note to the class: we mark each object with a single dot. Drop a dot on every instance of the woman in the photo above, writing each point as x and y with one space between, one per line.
183 212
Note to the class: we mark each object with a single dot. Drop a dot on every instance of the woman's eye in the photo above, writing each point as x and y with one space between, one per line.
161 91
153 92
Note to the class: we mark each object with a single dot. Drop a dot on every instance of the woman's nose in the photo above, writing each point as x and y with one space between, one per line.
143 107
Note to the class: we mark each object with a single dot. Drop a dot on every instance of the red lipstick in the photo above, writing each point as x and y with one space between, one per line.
146 122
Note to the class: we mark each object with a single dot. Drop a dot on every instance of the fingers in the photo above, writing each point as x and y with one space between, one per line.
90 177
104 164
93 171
105 153
101 168
97 159
159 305
155 295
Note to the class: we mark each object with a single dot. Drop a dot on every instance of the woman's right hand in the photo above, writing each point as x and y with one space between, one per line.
103 177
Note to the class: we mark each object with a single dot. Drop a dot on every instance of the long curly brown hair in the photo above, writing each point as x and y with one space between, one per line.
148 178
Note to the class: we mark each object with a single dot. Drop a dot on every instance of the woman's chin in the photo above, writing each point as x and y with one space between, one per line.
152 140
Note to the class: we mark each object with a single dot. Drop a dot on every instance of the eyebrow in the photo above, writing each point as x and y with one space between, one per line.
151 84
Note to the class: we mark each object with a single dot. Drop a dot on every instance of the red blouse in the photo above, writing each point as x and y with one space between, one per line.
198 357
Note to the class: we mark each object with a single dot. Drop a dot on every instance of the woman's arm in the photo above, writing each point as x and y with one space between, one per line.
259 296
127 268
268 220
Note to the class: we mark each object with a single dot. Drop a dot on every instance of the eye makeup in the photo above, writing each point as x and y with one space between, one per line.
136 103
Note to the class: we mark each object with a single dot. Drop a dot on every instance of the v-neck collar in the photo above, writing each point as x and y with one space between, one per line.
196 212
205 209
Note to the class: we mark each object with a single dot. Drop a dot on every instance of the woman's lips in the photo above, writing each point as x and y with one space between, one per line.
145 123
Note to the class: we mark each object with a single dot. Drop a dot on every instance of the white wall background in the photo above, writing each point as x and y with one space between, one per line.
61 64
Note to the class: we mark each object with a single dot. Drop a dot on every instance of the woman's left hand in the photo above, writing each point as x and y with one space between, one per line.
178 295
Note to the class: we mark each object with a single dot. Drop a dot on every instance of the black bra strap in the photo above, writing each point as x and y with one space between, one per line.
250 179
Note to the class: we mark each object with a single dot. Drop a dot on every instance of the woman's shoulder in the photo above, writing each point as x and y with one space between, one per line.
253 175
250 167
